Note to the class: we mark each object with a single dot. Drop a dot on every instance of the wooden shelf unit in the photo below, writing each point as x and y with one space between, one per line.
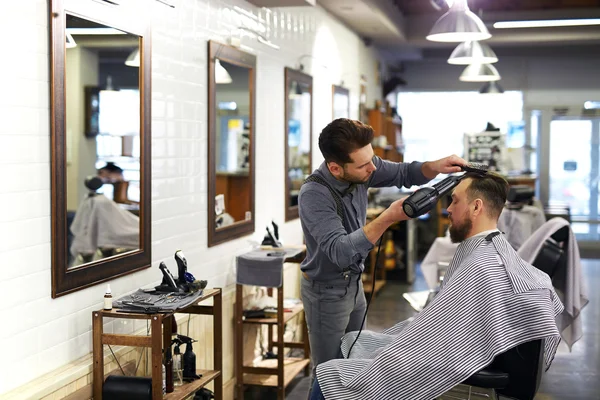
160 338
277 372
384 125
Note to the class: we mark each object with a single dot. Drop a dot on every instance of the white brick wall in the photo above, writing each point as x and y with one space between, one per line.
40 334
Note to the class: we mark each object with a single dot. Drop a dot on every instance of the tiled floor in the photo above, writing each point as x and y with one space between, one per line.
574 375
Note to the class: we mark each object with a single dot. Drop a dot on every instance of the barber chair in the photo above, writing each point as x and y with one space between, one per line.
552 258
514 374
517 373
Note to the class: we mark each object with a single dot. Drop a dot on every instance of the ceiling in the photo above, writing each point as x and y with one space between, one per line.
398 27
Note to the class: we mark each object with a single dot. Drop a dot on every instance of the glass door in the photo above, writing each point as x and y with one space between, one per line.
574 171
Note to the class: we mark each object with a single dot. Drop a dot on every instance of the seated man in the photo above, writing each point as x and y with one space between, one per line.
490 301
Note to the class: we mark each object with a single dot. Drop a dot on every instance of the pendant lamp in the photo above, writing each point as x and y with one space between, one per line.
70 42
480 73
491 88
134 58
471 52
221 74
458 24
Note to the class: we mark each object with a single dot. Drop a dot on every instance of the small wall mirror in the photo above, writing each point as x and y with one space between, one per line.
341 102
100 150
231 99
298 138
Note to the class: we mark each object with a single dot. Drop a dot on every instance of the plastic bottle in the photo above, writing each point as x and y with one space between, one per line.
108 298
164 379
169 374
177 366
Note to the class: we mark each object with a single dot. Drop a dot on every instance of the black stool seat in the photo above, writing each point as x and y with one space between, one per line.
488 379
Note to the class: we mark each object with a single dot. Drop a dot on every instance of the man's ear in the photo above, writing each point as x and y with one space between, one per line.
477 207
335 169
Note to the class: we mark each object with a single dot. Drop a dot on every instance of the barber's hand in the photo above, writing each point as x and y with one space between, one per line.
445 165
396 212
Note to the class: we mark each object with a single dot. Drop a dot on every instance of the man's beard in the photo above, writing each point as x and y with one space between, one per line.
458 233
354 179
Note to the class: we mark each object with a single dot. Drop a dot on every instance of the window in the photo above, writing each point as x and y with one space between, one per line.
434 123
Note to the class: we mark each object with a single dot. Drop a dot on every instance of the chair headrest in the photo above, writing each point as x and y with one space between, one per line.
520 194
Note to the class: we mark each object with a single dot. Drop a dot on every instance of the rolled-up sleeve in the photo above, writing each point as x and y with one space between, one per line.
390 173
319 215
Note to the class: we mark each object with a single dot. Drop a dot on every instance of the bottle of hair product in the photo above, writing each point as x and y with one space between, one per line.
108 298
164 374
177 367
169 371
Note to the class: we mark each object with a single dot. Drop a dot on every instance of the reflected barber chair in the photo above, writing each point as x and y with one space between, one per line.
516 374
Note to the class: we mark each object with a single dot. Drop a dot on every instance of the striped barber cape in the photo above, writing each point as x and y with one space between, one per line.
491 300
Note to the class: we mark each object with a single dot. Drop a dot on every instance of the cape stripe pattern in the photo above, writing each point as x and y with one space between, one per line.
490 301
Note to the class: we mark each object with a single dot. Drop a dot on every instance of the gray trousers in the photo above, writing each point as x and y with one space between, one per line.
332 309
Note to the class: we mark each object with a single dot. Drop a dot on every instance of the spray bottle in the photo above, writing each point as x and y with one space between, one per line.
189 359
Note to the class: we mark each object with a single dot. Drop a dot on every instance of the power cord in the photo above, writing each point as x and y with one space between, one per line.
370 297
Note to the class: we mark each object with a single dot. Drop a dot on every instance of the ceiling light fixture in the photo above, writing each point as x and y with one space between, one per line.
591 105
491 88
70 42
458 24
480 73
221 74
134 58
546 23
471 52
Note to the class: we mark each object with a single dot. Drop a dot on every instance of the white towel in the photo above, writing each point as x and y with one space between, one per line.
572 290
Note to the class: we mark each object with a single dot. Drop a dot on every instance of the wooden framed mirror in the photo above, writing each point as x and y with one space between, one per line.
231 143
341 102
298 138
100 144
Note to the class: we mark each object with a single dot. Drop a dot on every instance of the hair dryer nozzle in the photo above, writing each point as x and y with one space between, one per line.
420 202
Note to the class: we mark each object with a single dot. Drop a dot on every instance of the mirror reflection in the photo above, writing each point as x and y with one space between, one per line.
341 102
299 137
233 183
102 141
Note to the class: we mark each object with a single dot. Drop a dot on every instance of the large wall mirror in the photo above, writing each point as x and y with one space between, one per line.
298 138
231 102
341 102
100 141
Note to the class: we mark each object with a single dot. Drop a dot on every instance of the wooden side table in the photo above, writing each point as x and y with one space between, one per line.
160 338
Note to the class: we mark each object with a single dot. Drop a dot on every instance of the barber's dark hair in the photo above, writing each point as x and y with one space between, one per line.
343 136
492 188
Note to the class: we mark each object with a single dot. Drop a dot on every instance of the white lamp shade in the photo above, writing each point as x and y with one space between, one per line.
491 88
221 74
458 24
70 42
134 59
471 52
480 73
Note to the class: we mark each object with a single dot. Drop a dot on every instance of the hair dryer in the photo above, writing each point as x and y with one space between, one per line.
422 201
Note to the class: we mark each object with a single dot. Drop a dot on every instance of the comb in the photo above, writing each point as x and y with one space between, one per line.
477 168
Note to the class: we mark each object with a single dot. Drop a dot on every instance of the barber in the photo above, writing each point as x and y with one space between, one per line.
333 210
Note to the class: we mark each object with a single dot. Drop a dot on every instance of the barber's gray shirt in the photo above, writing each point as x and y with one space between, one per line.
330 248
